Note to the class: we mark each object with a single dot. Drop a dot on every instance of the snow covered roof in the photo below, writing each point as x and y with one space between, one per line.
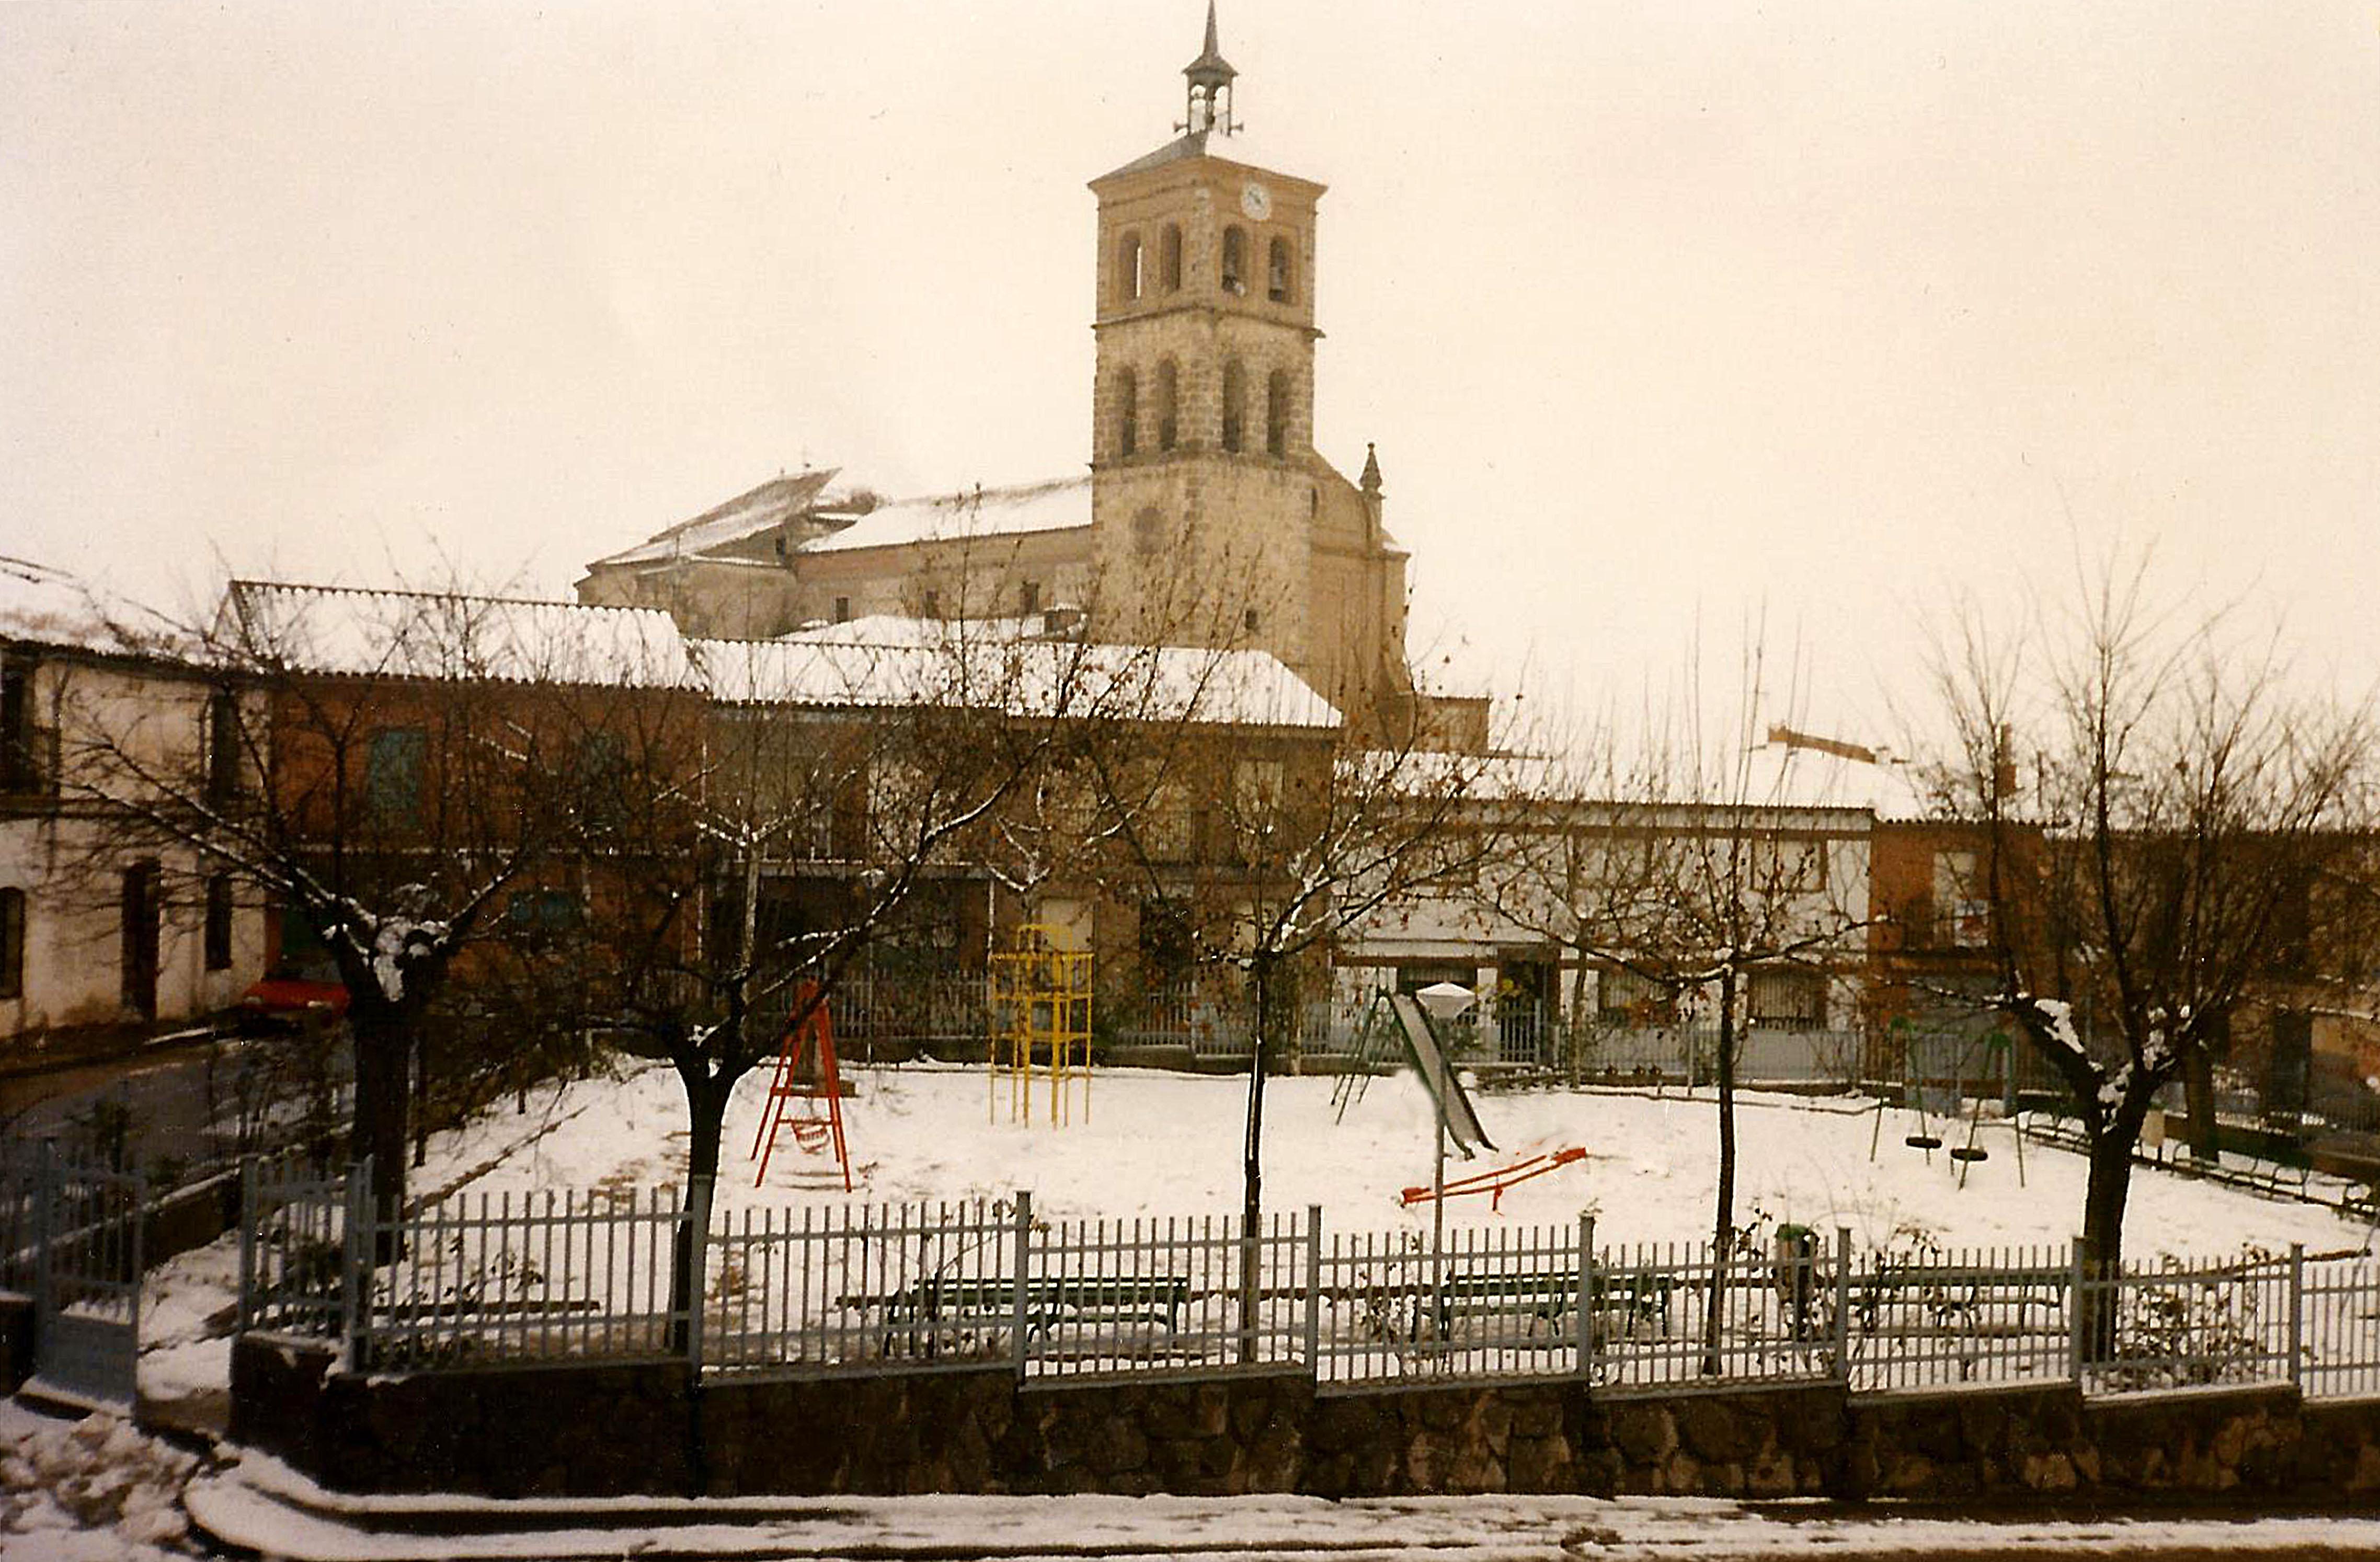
1788 775
750 514
48 607
1023 676
1058 504
894 629
336 629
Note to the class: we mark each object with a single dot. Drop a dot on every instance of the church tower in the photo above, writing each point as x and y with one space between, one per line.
1213 509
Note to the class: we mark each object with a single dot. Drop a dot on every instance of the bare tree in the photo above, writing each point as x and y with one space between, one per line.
1265 828
2183 802
387 767
828 792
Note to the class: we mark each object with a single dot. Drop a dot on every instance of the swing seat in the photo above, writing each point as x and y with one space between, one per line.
1976 1152
1923 1141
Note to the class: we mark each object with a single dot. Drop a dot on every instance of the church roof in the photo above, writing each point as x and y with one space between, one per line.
746 515
1058 504
1235 148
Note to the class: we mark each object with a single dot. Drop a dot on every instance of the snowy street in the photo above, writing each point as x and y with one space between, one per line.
98 1491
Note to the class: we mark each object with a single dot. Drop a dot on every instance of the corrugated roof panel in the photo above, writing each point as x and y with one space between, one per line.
457 635
1024 677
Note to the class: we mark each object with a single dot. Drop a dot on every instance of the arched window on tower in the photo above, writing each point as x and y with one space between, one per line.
1168 258
1236 405
1281 280
1127 395
1168 422
1128 268
1277 412
1235 259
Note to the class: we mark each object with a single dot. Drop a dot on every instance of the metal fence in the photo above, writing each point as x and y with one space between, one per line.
470 1280
932 1288
2337 1348
294 1258
73 1228
863 1287
869 1006
1935 1317
2180 1324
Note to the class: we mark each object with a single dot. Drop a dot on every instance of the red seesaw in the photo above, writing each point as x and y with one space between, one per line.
1494 1180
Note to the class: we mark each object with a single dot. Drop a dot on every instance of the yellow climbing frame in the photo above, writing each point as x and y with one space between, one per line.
1040 1008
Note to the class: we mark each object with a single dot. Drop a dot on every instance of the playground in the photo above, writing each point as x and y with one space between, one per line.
1138 1141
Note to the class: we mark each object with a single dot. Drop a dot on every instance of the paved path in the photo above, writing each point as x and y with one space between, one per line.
263 1506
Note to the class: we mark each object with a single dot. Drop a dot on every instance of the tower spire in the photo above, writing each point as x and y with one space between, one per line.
1210 85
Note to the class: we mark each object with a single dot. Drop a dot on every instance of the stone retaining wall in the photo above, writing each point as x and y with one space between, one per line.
643 1429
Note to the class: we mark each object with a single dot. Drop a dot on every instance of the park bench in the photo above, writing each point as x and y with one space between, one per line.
984 1302
1637 1297
1947 1290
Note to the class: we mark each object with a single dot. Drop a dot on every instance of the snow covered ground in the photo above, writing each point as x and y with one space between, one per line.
1151 1142
1164 1143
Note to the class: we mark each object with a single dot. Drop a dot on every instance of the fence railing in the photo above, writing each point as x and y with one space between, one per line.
864 1287
468 1281
943 1286
294 1260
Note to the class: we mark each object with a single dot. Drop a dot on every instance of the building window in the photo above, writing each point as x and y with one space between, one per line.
1277 412
933 604
18 770
218 928
1169 824
1127 392
1168 258
1961 915
1148 531
143 905
1624 997
1235 259
392 769
843 610
12 943
1787 999
1128 268
223 749
1249 618
1168 393
1280 276
542 916
1028 596
1236 405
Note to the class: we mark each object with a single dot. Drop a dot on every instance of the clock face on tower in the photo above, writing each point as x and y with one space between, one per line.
1255 200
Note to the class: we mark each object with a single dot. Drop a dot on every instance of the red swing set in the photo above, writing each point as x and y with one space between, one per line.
806 1073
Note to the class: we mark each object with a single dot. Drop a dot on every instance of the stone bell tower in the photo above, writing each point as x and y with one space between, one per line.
1217 523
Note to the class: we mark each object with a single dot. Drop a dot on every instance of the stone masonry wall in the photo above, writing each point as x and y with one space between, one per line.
640 1428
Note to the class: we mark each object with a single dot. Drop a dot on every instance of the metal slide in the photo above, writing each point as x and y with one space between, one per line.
1421 1050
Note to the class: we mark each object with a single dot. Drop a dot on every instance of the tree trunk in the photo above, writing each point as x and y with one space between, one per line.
2198 1094
1723 1217
1252 1161
382 1037
1573 1021
2104 1198
2102 1239
706 1117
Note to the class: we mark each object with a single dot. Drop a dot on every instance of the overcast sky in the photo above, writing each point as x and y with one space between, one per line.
1659 310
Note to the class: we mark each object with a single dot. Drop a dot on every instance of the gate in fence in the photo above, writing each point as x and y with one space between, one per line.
74 1230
